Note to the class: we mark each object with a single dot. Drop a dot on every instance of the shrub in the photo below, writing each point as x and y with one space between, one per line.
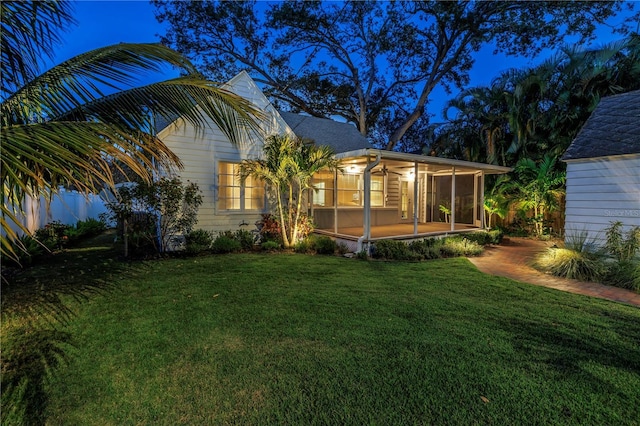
427 249
362 255
245 238
483 237
623 248
324 245
568 263
270 246
269 228
393 250
198 241
225 244
52 235
457 246
304 246
342 249
26 249
625 274
90 227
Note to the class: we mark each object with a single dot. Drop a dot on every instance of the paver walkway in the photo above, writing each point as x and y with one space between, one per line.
512 259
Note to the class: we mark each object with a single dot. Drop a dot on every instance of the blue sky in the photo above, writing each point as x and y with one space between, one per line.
102 23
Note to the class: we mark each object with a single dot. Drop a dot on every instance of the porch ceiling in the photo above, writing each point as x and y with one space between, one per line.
400 162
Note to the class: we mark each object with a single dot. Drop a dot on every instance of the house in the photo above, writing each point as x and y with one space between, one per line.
603 168
380 194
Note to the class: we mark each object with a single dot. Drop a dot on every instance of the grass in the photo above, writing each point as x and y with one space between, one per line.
297 339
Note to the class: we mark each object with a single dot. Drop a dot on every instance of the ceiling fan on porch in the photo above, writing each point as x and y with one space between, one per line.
384 171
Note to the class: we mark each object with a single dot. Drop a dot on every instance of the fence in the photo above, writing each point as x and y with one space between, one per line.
67 207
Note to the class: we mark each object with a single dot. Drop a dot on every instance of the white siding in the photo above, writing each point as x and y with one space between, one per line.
601 191
201 150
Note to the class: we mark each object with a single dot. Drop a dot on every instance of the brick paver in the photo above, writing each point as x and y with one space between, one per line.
513 257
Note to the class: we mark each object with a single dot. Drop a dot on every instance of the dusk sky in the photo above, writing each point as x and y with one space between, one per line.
102 23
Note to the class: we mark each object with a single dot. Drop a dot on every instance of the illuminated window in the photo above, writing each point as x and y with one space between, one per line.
377 191
234 196
349 191
323 193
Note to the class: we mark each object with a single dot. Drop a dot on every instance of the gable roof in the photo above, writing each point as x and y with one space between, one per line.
612 129
342 137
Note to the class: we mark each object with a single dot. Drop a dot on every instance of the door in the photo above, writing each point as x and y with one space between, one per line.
406 201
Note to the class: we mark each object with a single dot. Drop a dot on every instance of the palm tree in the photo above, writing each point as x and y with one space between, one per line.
72 123
538 187
287 169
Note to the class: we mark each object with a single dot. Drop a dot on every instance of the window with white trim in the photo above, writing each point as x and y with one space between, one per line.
232 195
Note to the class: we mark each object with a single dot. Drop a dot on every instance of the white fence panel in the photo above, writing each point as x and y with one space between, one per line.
67 207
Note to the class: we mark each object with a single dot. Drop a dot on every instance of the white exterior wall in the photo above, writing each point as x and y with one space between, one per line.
200 151
601 191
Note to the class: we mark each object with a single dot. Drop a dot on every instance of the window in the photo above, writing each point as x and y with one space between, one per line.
234 196
377 191
323 193
349 191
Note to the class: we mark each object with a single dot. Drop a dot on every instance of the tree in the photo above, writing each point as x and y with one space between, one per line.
70 124
538 188
527 113
358 59
287 168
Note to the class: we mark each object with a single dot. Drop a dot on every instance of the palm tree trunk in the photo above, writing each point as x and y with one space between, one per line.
283 226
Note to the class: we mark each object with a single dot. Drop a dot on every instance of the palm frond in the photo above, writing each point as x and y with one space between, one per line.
29 32
86 78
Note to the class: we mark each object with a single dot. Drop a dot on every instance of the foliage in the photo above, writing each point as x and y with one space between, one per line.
324 245
375 64
287 168
579 265
91 227
52 236
269 228
28 249
446 210
624 274
156 213
483 237
71 124
538 188
528 113
225 244
622 248
198 241
458 246
270 245
428 248
393 250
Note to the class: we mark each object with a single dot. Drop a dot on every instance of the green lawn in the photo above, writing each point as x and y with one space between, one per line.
296 339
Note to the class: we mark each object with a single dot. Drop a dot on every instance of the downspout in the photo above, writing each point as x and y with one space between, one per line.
367 203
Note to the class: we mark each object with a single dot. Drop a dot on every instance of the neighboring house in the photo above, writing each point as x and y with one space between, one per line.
603 168
380 194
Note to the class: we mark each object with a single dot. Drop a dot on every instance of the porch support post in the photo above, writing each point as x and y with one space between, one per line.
335 202
482 219
453 199
415 198
366 214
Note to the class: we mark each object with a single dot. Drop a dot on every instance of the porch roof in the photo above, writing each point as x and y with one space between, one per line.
432 164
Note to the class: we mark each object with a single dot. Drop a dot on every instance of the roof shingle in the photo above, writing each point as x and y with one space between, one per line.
612 129
342 137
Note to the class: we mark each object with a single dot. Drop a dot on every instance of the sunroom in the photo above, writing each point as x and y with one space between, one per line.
391 195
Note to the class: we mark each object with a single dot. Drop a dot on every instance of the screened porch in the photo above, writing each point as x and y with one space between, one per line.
384 194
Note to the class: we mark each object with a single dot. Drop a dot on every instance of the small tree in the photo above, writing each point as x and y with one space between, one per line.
156 212
538 188
287 168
